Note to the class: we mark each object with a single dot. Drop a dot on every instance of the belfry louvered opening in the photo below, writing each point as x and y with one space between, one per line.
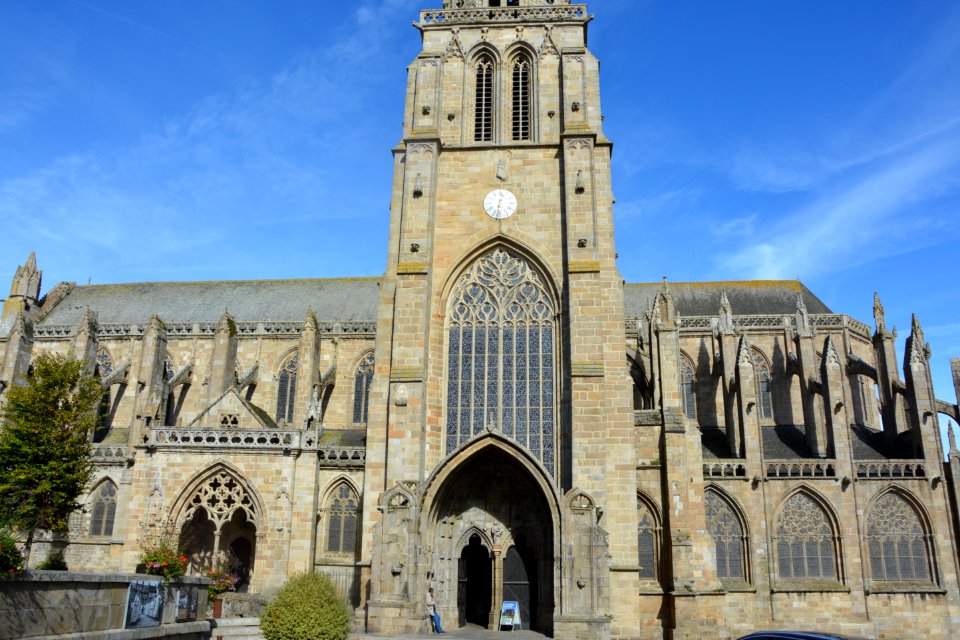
483 117
521 98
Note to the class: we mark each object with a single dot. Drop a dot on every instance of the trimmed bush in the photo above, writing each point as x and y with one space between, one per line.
307 608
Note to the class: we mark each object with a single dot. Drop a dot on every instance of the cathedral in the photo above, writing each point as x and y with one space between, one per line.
499 416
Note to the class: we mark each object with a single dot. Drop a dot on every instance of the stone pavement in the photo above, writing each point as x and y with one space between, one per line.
249 629
469 632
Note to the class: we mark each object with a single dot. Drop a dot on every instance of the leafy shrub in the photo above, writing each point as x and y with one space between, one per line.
307 608
53 562
11 560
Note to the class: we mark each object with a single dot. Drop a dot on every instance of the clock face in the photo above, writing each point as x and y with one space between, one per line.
500 204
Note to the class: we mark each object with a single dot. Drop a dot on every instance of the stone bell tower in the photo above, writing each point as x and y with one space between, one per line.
501 411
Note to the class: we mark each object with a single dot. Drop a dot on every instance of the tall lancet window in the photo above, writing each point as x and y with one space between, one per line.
521 97
764 389
361 389
688 388
500 358
287 390
483 115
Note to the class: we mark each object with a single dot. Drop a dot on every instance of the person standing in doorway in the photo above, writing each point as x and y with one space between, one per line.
432 612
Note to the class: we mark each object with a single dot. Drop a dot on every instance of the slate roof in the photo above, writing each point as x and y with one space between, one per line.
332 299
747 297
355 300
871 445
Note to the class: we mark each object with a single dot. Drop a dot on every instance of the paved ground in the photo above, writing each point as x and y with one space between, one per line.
469 632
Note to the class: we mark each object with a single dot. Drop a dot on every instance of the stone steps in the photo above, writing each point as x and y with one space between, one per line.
235 629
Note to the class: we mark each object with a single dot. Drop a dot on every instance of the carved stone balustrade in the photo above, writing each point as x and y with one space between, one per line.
342 456
886 469
545 13
801 469
729 469
108 454
172 437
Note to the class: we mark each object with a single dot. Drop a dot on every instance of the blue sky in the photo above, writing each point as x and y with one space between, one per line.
231 139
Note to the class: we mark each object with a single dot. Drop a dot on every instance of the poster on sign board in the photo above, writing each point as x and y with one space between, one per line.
510 615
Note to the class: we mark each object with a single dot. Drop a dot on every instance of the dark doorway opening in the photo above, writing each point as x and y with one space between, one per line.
520 581
474 584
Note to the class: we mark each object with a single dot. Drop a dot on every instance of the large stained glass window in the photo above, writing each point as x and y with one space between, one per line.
897 541
500 365
804 538
726 530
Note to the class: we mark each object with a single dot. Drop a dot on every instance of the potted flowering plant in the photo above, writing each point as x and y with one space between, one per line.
221 581
162 560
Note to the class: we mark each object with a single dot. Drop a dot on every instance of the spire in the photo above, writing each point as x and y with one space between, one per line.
664 310
226 324
26 281
879 319
952 438
726 314
88 320
310 321
804 327
744 357
916 347
830 354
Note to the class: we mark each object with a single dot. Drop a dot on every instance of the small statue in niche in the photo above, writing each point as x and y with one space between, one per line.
502 170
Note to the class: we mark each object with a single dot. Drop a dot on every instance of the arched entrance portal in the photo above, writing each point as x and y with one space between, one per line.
494 541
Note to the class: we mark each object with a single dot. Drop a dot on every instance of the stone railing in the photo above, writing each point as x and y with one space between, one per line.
883 470
108 453
801 469
45 604
564 13
342 456
767 322
177 329
732 469
235 438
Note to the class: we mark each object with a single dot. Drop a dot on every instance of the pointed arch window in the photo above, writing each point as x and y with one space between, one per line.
287 390
688 388
522 91
726 529
483 103
362 380
104 363
500 358
805 541
764 387
104 367
648 541
342 509
104 509
897 541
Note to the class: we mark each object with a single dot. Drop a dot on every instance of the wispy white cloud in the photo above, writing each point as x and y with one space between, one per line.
852 224
264 155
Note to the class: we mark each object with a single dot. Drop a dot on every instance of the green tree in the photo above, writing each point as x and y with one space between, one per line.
45 447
